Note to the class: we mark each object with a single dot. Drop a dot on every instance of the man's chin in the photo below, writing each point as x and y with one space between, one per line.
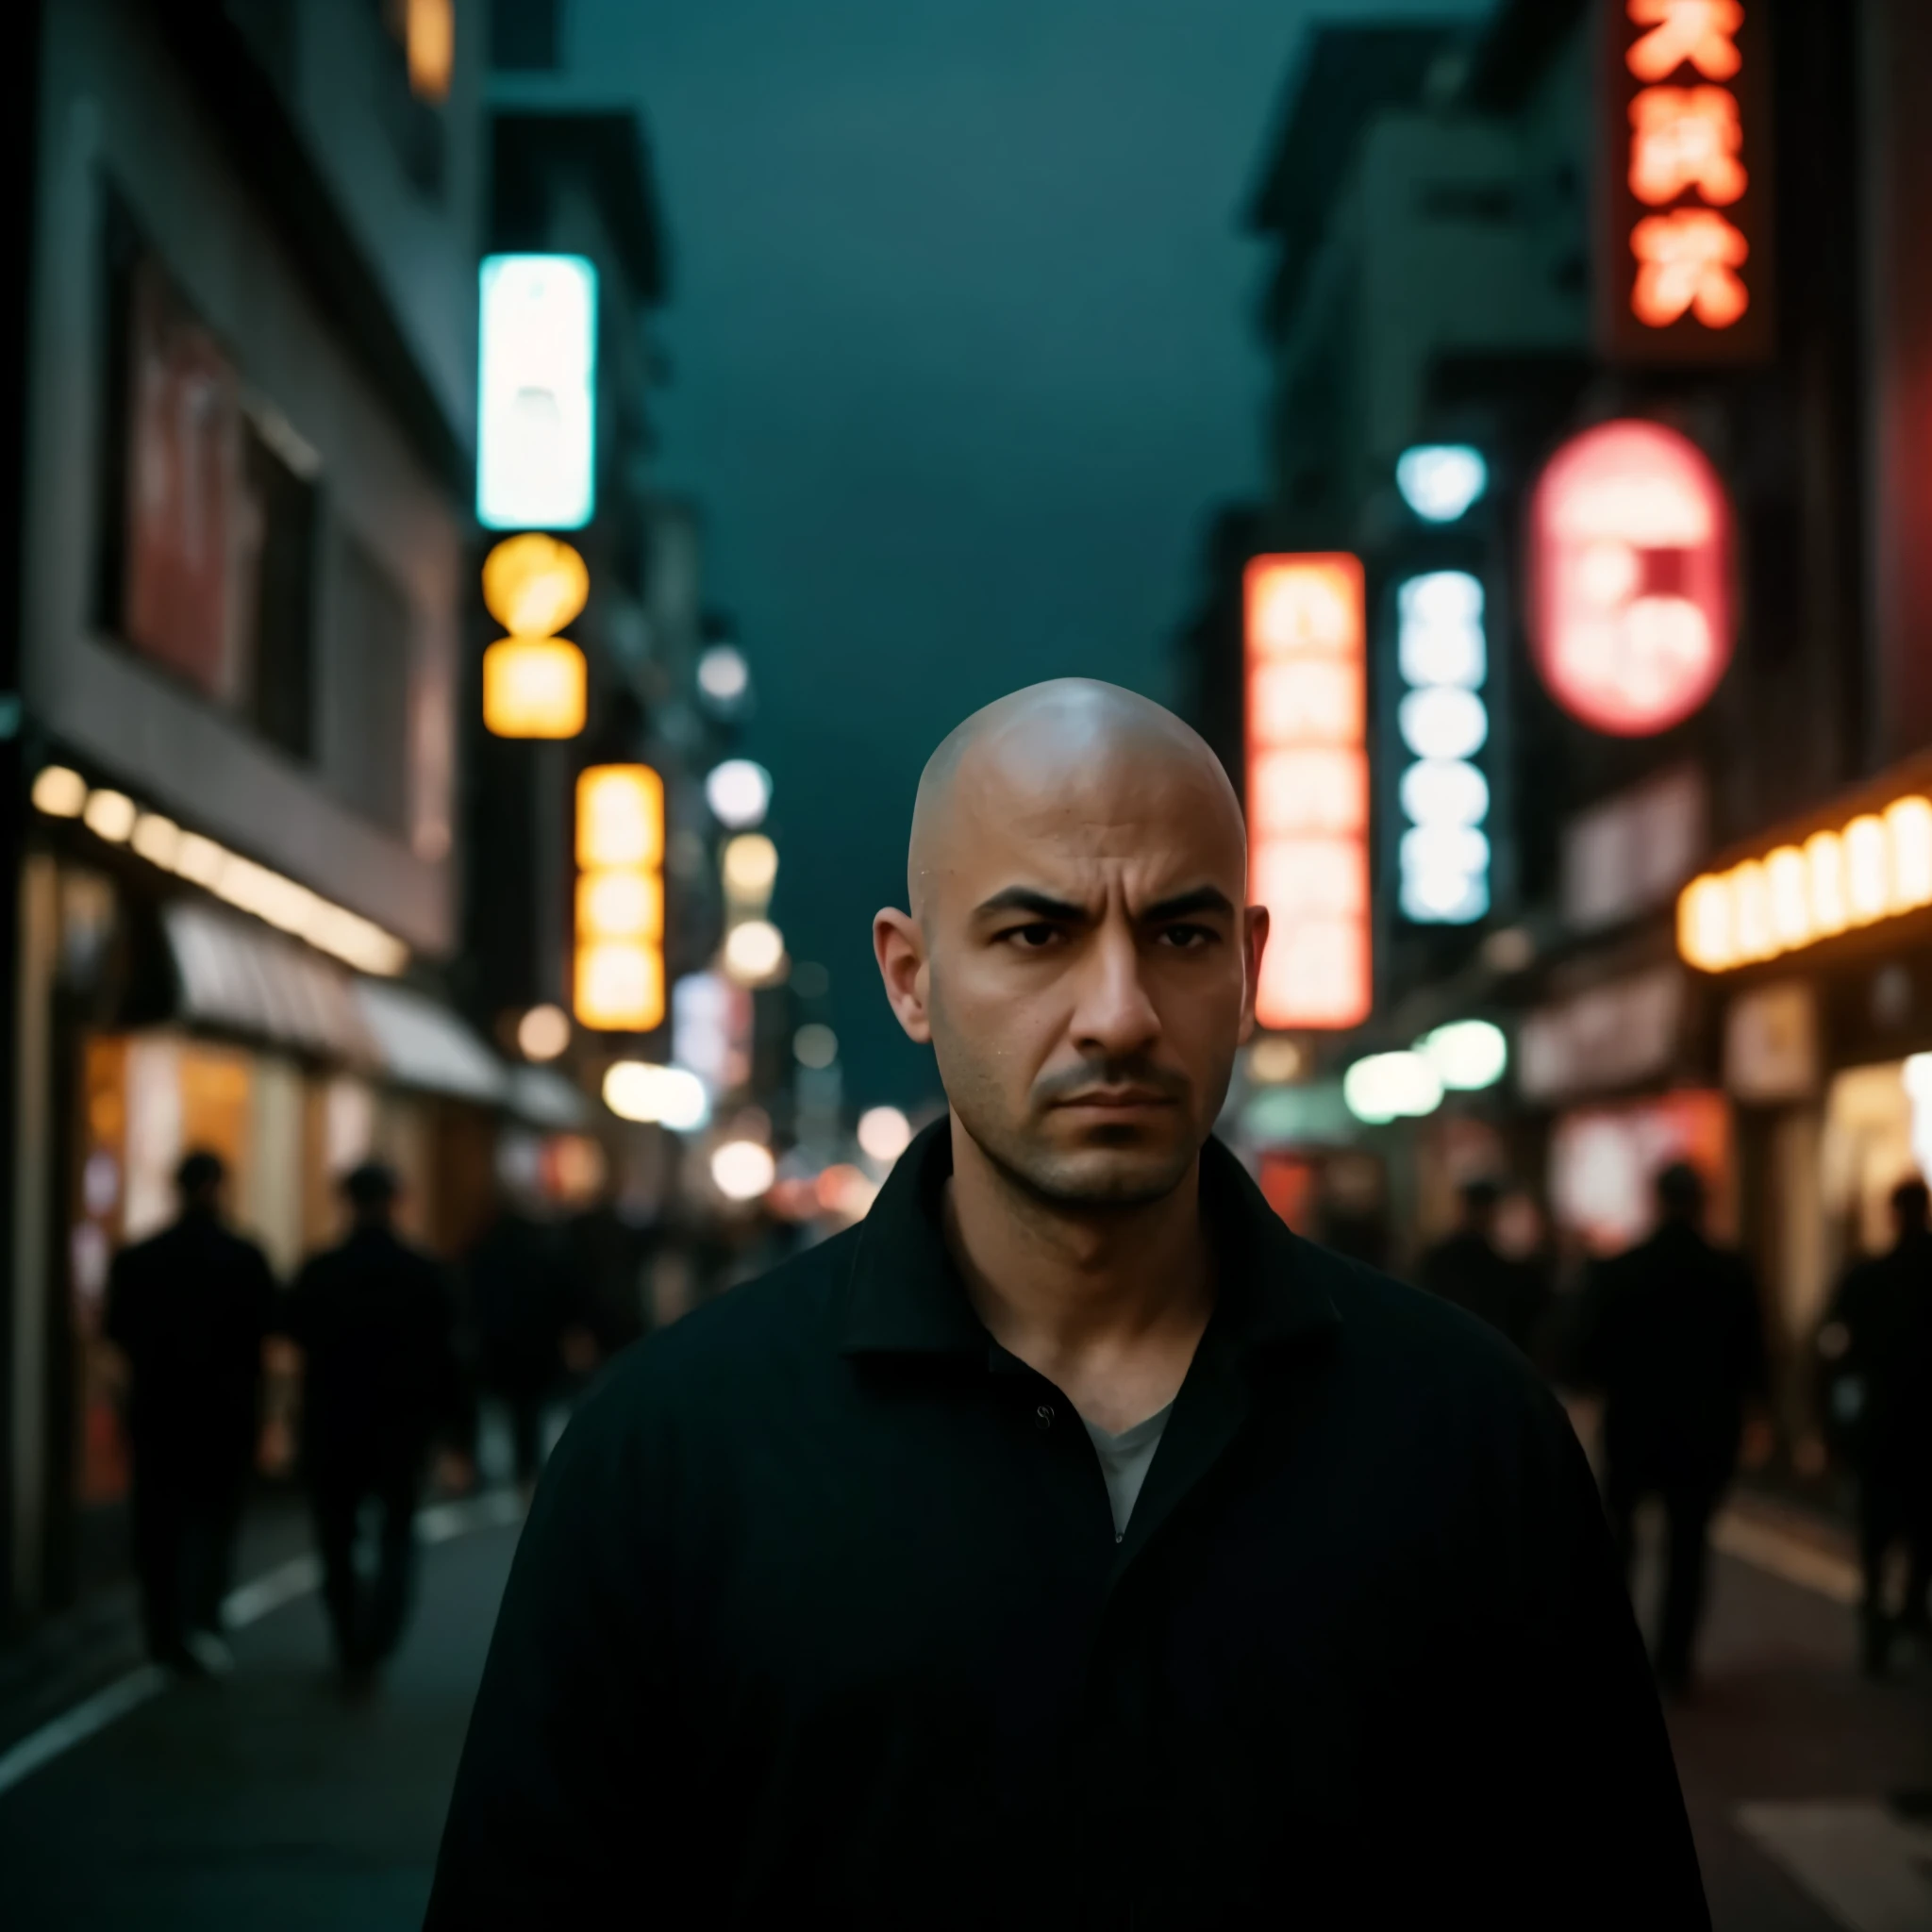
1109 1176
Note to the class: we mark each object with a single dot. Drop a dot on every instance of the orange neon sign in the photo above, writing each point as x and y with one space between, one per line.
619 977
1684 138
1876 865
1703 33
1307 787
1688 227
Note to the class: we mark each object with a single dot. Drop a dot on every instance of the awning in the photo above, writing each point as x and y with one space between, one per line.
421 1045
238 975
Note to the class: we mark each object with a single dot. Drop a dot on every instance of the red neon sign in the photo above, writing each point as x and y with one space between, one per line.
1685 270
1307 787
1630 600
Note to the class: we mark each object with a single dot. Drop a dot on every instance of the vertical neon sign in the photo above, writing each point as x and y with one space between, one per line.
1687 236
1308 786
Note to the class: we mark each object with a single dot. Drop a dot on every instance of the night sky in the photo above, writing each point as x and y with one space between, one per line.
961 357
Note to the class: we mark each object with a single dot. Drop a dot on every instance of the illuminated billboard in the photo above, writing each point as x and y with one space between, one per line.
536 404
534 684
1684 240
1308 786
620 899
1442 656
1875 865
1630 564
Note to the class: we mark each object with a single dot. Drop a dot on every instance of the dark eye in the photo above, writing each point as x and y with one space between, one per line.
1033 937
1188 938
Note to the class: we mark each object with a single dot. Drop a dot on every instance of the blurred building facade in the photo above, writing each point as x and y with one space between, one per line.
235 821
1442 210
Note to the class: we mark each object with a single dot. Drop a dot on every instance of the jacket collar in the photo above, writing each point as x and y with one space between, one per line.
905 1294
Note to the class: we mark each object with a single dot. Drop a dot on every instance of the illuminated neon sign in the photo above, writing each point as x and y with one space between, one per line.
1688 237
1874 866
1630 558
1443 658
1307 787
620 899
535 402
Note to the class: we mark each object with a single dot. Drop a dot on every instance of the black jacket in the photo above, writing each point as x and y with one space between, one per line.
381 1374
1674 1337
1884 1307
190 1309
819 1617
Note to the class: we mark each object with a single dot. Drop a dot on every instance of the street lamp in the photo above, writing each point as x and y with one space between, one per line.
1441 481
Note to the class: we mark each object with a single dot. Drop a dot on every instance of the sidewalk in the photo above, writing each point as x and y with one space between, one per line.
1789 1757
266 1800
73 1656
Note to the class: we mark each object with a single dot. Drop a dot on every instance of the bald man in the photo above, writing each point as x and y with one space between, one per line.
1069 1543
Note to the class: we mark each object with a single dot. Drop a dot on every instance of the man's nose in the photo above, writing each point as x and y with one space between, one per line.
1113 1016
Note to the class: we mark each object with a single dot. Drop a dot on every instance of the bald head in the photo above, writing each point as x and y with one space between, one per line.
1045 751
1077 949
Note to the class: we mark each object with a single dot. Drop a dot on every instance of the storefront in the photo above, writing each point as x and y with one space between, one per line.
171 1023
1816 945
1613 1070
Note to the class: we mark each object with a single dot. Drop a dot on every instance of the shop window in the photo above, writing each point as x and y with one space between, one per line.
373 656
208 505
283 505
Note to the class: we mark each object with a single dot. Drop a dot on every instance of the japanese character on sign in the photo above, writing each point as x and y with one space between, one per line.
1704 32
1689 260
1686 138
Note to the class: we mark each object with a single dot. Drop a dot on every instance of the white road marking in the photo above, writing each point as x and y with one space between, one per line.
269 1591
74 1726
1871 1871
247 1604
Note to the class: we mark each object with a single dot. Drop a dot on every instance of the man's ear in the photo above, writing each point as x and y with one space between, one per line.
899 946
1253 944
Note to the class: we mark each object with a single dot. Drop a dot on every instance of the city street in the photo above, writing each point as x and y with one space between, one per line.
1091 687
266 1801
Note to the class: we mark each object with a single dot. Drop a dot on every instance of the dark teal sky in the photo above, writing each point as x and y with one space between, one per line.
961 354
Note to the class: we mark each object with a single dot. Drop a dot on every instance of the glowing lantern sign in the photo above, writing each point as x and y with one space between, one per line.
1307 787
620 908
1630 603
1875 865
533 681
1685 248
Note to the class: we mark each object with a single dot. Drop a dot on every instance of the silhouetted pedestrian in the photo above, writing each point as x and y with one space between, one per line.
1468 1270
1674 1337
1876 1344
520 1307
376 1324
188 1310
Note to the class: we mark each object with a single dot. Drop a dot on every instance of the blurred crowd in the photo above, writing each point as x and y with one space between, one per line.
381 1370
384 1367
1665 1342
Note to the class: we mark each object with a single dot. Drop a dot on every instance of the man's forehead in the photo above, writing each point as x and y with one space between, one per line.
1084 855
1071 775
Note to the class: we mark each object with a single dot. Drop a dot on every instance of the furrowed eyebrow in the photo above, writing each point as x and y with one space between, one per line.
1202 899
1025 899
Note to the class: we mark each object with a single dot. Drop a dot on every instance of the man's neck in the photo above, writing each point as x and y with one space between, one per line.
1106 1303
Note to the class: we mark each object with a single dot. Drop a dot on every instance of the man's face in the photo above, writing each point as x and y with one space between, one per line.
1088 970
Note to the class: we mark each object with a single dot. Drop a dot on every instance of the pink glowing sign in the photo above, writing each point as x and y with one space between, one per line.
1630 602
